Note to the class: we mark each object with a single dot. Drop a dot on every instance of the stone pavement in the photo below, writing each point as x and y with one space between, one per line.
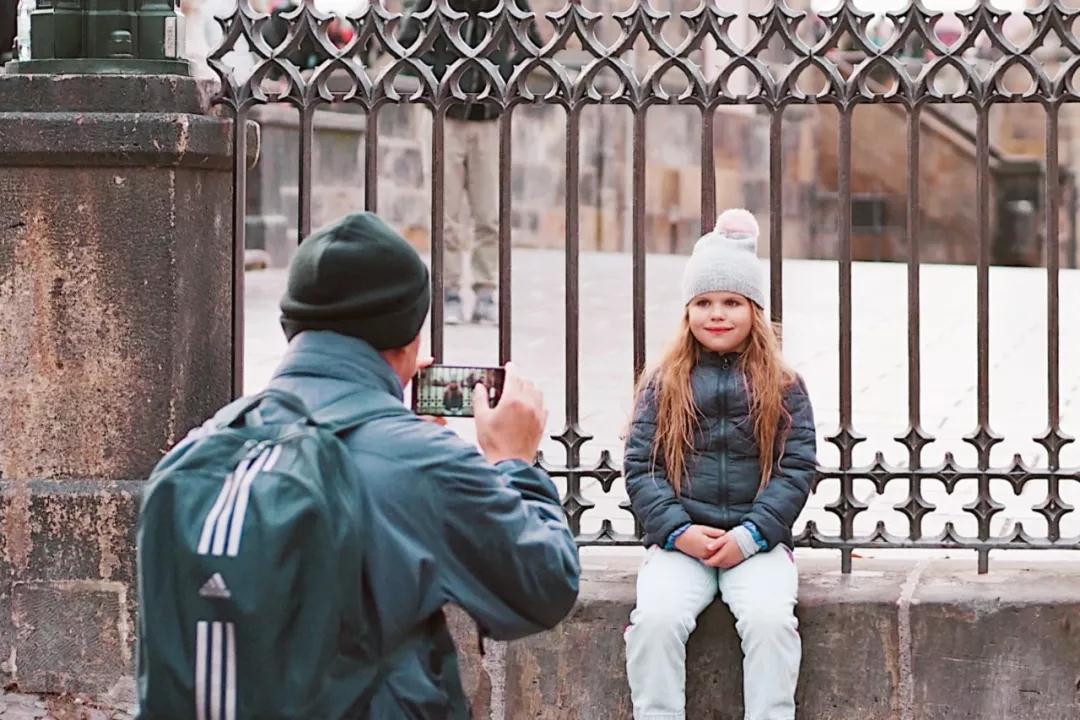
14 706
1018 376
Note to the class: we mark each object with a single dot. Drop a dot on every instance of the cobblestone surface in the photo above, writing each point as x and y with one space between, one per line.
16 706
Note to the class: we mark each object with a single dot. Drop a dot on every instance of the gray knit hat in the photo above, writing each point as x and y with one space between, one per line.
725 260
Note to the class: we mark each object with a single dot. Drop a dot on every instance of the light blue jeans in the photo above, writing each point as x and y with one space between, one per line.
673 589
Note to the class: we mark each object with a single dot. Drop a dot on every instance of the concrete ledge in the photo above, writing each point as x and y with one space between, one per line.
39 93
892 641
115 140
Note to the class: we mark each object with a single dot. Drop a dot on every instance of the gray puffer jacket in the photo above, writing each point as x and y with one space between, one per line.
724 470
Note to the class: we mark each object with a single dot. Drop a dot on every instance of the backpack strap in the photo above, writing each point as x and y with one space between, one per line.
451 673
353 411
338 417
236 410
435 630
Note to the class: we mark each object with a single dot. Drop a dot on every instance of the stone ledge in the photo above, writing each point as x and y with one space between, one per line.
35 93
80 121
79 140
894 640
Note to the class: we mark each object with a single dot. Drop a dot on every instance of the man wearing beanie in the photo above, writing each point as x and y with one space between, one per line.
482 529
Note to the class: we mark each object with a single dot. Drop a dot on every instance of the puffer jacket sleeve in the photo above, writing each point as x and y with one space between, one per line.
653 499
779 504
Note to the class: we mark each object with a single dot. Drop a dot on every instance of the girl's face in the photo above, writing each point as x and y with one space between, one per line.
721 321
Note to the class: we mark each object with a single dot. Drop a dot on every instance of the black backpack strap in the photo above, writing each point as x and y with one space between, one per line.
451 673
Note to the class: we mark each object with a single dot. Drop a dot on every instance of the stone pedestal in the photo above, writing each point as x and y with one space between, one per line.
115 339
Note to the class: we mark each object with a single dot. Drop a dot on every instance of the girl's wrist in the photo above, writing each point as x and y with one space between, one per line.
745 540
675 535
762 543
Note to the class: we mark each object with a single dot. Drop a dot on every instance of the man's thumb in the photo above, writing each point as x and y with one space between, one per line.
480 400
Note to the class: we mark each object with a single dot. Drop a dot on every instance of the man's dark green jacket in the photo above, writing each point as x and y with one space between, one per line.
450 527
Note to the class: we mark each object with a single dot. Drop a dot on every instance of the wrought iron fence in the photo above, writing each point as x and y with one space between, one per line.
857 65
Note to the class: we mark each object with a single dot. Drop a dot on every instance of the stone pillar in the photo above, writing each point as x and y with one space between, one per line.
115 287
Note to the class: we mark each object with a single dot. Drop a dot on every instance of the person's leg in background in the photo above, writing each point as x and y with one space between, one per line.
484 201
8 27
456 177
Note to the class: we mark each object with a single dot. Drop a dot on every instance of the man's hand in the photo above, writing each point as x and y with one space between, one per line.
422 363
511 430
695 541
725 553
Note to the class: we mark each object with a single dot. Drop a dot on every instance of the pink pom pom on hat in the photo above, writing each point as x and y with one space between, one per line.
737 221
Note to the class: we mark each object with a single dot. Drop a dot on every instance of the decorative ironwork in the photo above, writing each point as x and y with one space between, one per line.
791 58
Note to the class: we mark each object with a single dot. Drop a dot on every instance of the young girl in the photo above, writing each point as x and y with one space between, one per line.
718 464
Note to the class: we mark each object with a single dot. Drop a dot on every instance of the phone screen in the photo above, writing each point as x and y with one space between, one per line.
447 390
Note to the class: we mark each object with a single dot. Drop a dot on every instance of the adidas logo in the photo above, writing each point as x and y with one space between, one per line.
215 588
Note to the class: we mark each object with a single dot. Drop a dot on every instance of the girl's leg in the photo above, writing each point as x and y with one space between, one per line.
672 590
762 592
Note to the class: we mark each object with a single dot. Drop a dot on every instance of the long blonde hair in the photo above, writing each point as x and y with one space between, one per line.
767 377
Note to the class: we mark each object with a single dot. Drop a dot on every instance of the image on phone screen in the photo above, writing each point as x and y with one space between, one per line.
447 390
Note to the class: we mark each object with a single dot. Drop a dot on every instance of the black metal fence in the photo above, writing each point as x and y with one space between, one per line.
974 64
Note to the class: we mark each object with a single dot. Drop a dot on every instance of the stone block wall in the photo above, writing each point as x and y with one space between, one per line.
894 640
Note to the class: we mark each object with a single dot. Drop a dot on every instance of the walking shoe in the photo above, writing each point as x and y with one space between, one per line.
453 309
485 312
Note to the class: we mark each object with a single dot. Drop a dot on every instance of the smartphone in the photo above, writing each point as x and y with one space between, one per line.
447 390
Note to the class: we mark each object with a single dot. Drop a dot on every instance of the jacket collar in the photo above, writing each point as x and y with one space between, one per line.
327 354
729 359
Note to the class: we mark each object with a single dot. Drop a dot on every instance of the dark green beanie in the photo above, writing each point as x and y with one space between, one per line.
357 277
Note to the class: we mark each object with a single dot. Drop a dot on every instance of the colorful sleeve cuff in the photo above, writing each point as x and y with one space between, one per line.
742 538
759 539
670 543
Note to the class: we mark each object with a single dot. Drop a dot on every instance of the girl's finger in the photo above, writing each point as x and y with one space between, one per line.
718 543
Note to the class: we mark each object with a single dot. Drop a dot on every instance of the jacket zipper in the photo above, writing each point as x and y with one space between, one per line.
723 435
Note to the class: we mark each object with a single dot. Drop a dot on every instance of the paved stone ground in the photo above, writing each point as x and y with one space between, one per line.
14 706
1018 375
